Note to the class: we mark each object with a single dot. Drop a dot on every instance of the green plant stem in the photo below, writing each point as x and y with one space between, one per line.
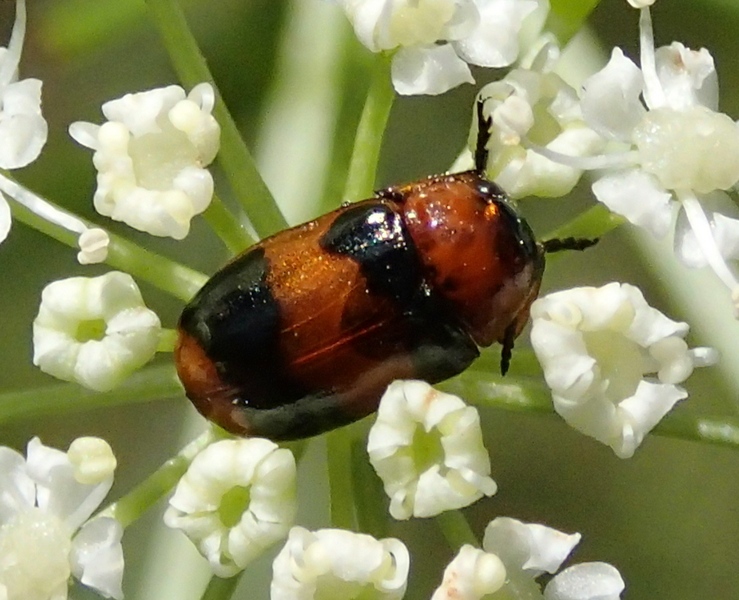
360 180
338 450
371 503
592 223
167 340
151 383
566 17
226 227
131 506
486 389
221 589
176 279
456 529
234 157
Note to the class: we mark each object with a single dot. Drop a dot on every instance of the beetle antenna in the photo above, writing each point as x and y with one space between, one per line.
483 137
568 243
509 336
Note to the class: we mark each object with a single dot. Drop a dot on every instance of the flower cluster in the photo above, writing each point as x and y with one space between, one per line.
434 41
46 534
514 555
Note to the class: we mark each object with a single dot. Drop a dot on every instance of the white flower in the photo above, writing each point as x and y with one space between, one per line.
151 157
95 331
23 130
236 499
333 563
612 361
670 149
436 39
528 105
427 448
472 575
514 555
527 550
45 536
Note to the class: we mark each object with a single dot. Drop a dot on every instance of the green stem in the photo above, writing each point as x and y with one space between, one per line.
456 529
592 223
360 180
371 503
522 394
152 383
167 340
176 279
226 226
221 589
566 17
234 157
338 450
131 506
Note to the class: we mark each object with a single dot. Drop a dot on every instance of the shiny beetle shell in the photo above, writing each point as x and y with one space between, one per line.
303 332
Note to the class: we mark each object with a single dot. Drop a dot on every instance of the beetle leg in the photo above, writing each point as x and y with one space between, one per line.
509 338
569 243
483 137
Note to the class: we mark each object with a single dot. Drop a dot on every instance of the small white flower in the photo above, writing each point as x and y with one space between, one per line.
527 550
534 105
23 129
472 575
514 555
93 245
427 448
333 563
45 535
236 499
435 40
612 361
151 157
670 148
95 331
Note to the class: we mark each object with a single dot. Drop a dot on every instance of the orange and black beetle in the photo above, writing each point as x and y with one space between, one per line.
303 332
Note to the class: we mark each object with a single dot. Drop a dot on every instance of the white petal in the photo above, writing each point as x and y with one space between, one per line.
529 546
197 183
610 98
637 196
85 134
5 218
429 70
23 130
139 112
638 415
495 41
471 575
97 556
688 77
313 563
725 232
586 581
58 492
17 490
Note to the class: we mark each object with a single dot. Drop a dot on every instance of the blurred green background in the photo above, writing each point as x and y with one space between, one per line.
294 78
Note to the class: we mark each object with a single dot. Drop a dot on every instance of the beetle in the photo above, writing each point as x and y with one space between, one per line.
302 332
